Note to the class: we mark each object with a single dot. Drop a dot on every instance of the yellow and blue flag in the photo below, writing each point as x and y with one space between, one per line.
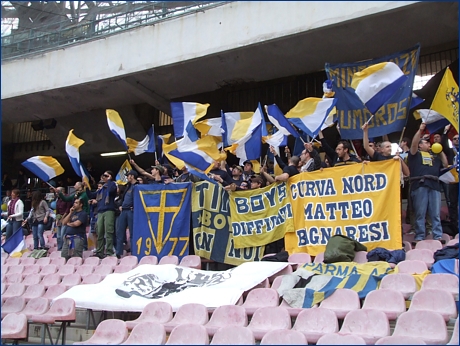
116 126
449 175
166 148
280 121
433 120
229 120
185 115
210 127
147 145
445 101
72 148
310 114
44 167
15 243
122 175
376 84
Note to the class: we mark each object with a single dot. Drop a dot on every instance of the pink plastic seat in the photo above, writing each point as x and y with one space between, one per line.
103 270
423 255
71 280
13 278
13 261
33 291
456 236
260 297
15 269
264 284
407 246
391 302
122 268
155 312
293 312
402 282
314 323
51 279
285 271
149 260
188 313
147 333
75 261
56 254
14 326
400 340
48 269
108 332
191 261
31 269
452 242
14 290
371 325
84 270
269 318
435 300
283 337
27 261
36 306
342 301
430 244
169 260
32 279
110 261
54 291
58 261
319 258
445 282
226 315
129 261
87 254
426 325
13 304
412 267
188 334
360 257
43 262
299 258
454 338
92 261
277 282
233 335
91 279
338 339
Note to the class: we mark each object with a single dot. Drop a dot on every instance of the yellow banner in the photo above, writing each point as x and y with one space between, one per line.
262 216
359 201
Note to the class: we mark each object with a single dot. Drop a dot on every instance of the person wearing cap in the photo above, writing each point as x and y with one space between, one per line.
125 220
155 177
220 175
237 178
288 171
247 170
256 183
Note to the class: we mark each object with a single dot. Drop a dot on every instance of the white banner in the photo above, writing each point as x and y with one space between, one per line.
133 290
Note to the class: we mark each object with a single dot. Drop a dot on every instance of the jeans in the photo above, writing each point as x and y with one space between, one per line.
37 230
125 220
77 251
426 200
60 235
11 227
105 228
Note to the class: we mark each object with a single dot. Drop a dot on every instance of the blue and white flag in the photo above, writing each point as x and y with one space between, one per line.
433 120
210 127
415 100
44 167
116 126
147 145
229 121
185 115
15 243
72 145
280 121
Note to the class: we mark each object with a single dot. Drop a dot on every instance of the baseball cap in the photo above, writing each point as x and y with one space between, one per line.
161 169
133 173
247 161
239 168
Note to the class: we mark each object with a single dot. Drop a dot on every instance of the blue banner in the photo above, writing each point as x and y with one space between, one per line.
351 112
161 220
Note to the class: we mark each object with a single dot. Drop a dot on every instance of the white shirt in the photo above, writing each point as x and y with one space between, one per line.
18 210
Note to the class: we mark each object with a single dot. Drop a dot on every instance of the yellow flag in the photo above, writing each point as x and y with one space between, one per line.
445 101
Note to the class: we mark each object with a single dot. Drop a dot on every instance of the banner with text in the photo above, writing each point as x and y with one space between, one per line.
262 216
360 201
211 227
351 112
161 220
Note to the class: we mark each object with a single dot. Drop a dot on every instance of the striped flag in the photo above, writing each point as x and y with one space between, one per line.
44 167
15 243
72 145
147 145
116 126
185 115
229 120
280 121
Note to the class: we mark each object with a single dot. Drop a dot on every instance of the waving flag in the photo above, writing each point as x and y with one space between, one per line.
166 148
116 126
376 84
200 154
228 124
277 139
210 127
72 145
44 167
445 101
185 115
15 243
433 120
310 114
449 175
122 175
147 145
280 121
415 100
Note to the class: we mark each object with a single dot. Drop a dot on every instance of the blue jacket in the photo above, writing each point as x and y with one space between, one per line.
381 254
105 197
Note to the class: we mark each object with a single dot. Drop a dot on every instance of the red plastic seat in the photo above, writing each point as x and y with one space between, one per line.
400 340
233 335
33 291
402 282
71 280
14 290
108 332
342 301
283 337
14 326
188 334
338 339
188 313
226 315
36 306
75 261
445 282
155 312
426 325
147 333
314 323
423 255
129 261
391 302
260 297
91 279
149 260
13 304
169 260
370 325
412 267
269 318
435 300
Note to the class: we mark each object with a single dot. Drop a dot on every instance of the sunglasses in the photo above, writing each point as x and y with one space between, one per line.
106 175
455 138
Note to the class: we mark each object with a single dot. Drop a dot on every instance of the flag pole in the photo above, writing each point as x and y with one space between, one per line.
401 137
353 146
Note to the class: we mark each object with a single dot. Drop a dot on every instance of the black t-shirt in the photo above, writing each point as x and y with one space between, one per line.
291 170
227 180
418 169
379 157
80 230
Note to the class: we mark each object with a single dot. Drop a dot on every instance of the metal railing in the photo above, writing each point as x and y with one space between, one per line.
52 36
